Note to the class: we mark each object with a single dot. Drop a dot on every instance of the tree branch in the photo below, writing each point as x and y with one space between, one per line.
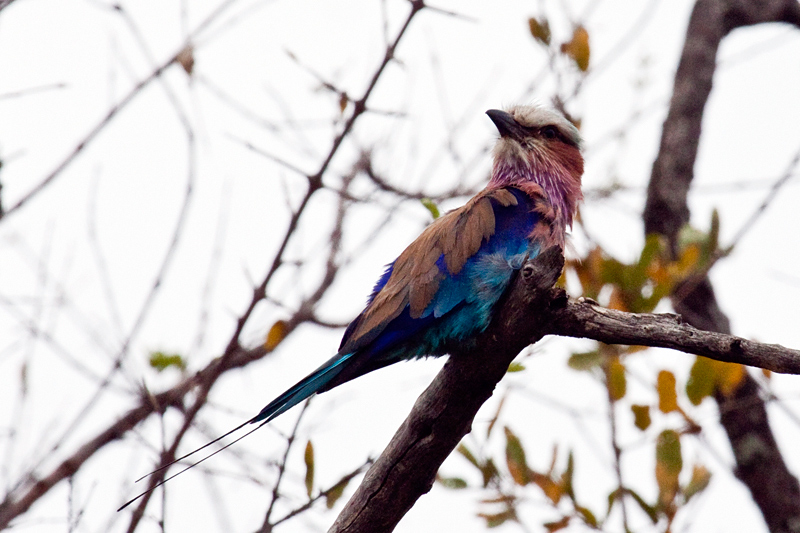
443 414
585 319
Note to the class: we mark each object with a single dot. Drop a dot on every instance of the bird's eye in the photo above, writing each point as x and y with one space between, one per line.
549 132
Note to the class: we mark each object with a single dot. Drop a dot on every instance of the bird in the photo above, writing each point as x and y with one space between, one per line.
442 290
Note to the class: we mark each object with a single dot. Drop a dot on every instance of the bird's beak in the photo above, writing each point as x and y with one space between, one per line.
506 124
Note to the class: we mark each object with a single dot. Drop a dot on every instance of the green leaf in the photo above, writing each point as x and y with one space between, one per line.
431 206
701 380
468 455
587 515
515 459
566 477
308 457
452 482
515 367
647 508
585 360
161 361
669 463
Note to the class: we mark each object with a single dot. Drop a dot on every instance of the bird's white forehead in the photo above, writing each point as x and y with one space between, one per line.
532 116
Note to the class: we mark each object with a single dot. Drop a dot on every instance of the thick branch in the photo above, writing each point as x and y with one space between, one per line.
443 414
584 319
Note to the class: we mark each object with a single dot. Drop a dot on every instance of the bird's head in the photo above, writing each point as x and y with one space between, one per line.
539 146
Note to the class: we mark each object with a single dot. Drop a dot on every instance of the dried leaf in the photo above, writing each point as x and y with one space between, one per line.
540 30
641 416
494 520
700 480
555 526
185 59
515 459
615 376
335 492
308 458
489 472
578 48
554 491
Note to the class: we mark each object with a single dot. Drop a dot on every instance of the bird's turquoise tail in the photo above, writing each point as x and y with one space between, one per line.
311 384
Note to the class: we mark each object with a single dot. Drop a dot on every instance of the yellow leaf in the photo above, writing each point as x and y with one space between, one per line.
276 335
690 257
615 375
343 100
767 373
641 414
667 396
578 48
729 377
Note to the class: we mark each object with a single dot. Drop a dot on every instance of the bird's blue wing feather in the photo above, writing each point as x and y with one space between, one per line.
459 307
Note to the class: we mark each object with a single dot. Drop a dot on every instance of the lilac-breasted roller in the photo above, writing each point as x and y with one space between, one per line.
442 290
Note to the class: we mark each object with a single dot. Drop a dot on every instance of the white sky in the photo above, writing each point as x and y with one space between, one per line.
117 205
